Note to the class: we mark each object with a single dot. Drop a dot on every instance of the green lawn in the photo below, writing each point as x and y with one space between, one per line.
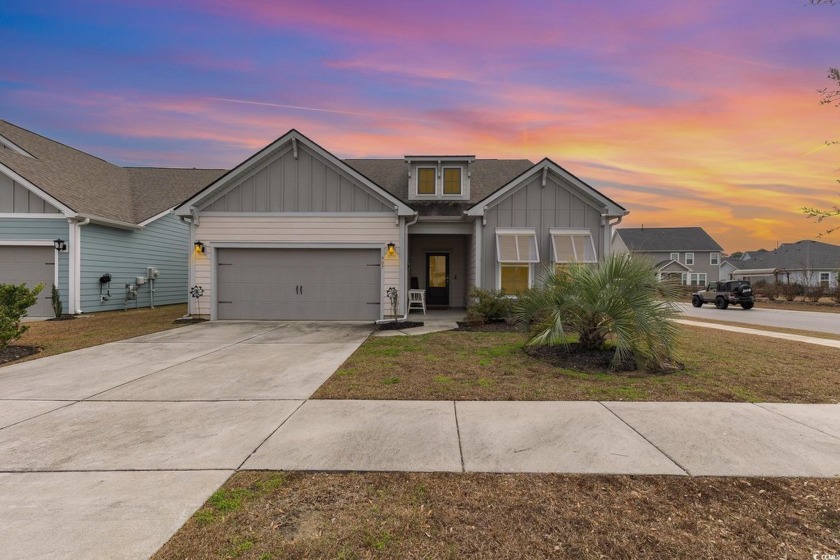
719 366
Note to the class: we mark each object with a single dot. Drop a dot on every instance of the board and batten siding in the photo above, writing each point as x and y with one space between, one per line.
263 231
125 254
540 208
40 229
307 184
17 199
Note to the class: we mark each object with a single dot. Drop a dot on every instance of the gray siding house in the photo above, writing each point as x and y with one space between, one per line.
294 232
809 263
110 220
687 254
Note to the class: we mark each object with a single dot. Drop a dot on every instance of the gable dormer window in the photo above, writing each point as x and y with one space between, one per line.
439 177
451 180
426 180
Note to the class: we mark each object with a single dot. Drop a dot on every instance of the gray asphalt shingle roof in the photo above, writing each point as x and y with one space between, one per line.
92 186
668 239
801 255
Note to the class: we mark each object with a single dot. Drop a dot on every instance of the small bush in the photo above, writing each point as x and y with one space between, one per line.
58 308
815 293
835 297
488 305
791 291
14 301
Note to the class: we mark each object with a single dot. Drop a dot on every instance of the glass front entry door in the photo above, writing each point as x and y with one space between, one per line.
437 279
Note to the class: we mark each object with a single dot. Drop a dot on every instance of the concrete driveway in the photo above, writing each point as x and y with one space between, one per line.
105 452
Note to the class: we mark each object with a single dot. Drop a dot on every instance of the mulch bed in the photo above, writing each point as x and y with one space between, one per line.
189 321
399 325
12 353
63 318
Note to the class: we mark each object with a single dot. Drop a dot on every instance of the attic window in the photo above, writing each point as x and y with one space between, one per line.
570 245
426 180
451 180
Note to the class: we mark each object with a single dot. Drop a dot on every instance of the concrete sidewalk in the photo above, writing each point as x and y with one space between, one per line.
698 439
771 334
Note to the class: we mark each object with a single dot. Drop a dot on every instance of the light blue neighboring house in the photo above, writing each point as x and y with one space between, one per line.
111 225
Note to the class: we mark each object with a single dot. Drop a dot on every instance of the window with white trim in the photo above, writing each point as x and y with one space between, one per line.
426 180
825 279
698 278
714 259
451 180
516 250
572 245
675 257
689 259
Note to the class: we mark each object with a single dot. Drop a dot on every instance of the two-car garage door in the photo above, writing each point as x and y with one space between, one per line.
298 284
31 266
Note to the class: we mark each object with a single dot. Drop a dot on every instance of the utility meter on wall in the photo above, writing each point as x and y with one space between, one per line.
152 273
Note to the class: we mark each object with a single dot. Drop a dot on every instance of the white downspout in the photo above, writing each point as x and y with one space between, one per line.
74 262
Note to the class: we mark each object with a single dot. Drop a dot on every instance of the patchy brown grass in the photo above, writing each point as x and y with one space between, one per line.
57 337
267 515
719 366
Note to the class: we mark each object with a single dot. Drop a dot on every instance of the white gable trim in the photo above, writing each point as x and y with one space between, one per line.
669 263
66 210
148 221
607 206
244 169
14 147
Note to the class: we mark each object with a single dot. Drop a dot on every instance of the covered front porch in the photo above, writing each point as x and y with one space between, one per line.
442 264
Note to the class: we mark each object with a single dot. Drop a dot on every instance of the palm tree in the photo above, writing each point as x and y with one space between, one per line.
620 300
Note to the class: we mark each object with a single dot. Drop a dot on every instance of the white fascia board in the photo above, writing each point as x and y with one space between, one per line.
66 210
569 231
608 207
245 167
148 221
14 147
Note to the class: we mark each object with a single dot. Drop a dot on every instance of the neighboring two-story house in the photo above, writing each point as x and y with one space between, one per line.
688 254
294 232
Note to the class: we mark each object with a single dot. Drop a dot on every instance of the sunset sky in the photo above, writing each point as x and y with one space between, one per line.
686 113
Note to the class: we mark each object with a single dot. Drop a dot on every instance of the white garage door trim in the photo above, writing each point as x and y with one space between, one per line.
211 246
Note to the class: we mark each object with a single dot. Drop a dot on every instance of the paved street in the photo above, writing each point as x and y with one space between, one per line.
804 320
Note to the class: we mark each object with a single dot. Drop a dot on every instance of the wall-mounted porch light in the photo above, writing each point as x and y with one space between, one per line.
199 248
392 249
60 245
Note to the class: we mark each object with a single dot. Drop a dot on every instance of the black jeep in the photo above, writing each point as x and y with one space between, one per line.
736 292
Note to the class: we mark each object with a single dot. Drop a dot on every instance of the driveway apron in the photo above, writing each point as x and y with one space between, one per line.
105 452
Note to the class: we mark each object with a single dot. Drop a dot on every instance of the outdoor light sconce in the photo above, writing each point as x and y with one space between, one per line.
199 248
392 250
60 245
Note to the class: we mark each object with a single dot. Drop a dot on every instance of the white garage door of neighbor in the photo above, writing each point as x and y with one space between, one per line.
30 266
299 284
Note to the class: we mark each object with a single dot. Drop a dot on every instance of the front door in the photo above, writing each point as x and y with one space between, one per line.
437 279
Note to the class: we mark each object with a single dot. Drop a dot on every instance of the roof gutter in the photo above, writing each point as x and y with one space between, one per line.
89 219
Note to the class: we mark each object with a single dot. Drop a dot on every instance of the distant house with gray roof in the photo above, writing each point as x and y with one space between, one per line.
108 221
806 262
687 254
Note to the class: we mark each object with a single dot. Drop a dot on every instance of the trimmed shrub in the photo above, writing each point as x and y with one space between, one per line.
487 306
14 301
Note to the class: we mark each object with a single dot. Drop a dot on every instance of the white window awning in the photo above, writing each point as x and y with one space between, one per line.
516 245
573 245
